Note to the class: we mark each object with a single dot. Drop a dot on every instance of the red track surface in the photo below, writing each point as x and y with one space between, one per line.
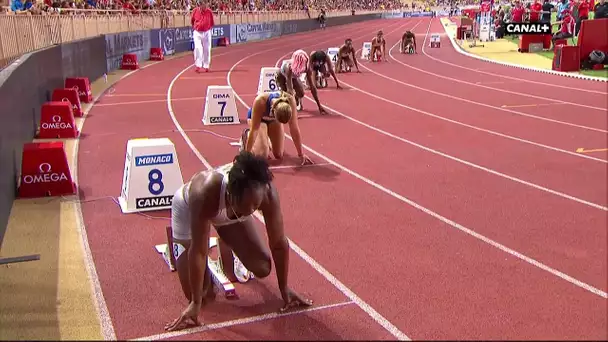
428 279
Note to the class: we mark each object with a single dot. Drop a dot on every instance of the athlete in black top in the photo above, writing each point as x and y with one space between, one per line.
320 62
407 40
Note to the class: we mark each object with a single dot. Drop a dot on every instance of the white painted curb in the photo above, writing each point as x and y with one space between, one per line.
460 50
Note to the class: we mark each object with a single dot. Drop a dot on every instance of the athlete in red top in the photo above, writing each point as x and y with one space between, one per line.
567 29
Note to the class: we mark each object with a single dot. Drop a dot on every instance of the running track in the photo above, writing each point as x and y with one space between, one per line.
448 201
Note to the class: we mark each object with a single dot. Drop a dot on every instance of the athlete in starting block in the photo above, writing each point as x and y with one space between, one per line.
266 133
378 51
321 66
288 78
346 57
408 43
226 198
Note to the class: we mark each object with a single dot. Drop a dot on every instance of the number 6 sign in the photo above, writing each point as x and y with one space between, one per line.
268 83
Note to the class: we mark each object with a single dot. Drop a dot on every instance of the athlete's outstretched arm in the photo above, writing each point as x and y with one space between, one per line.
294 130
352 51
277 241
415 48
331 71
289 81
312 81
199 273
199 248
256 120
279 247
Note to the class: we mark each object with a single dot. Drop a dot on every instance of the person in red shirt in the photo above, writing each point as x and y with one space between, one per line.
535 10
583 14
202 23
567 28
517 13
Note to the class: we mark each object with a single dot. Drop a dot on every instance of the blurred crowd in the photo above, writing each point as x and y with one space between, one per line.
226 6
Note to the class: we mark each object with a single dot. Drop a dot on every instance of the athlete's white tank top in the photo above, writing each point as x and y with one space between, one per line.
221 219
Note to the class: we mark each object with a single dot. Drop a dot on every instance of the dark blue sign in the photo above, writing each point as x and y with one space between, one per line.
179 39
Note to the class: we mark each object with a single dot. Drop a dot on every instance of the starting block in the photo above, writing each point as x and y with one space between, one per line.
57 121
45 171
435 40
268 83
156 54
151 176
129 62
82 86
221 281
220 106
332 52
366 50
68 95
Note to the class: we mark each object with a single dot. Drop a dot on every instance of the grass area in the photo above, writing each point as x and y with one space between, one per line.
549 54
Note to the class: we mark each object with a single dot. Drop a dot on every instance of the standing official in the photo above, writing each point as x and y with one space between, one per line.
202 23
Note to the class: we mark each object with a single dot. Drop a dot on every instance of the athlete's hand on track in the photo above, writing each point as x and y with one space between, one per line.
191 313
322 110
304 160
293 300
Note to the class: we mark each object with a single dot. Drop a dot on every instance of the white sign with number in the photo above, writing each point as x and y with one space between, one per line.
268 83
333 54
435 38
151 175
220 106
366 50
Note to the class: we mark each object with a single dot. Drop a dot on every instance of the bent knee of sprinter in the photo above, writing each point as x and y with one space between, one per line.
262 268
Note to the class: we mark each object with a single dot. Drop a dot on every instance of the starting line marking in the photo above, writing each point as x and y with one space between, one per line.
240 321
121 95
582 150
281 167
148 101
533 105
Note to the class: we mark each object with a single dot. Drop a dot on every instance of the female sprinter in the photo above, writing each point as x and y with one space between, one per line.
226 198
288 78
266 118
320 65
378 48
408 42
346 57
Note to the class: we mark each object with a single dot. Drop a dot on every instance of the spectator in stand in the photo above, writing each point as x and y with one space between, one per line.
17 6
547 9
535 10
567 29
601 10
517 13
202 23
564 5
583 14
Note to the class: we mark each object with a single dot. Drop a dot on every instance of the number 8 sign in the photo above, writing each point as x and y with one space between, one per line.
151 176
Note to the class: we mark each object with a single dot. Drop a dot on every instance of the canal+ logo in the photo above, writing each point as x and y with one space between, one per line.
528 28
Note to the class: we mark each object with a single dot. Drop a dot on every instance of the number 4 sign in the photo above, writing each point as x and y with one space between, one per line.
151 175
267 82
220 106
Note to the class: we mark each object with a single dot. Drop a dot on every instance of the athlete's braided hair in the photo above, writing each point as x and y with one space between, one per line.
248 171
282 108
299 62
